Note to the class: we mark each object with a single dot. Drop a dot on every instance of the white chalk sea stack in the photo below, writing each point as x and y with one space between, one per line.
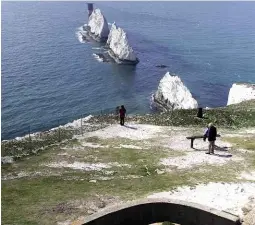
120 49
173 94
98 26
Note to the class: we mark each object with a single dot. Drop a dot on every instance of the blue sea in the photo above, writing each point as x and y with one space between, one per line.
49 77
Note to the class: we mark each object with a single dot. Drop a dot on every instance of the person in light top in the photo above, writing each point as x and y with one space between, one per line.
211 134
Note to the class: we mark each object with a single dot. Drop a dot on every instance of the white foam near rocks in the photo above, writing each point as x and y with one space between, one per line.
229 197
172 93
119 45
98 24
98 58
75 123
241 92
80 34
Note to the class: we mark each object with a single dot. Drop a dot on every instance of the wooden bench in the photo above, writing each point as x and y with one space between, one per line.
192 138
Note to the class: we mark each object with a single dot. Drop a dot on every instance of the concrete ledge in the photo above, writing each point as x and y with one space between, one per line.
147 211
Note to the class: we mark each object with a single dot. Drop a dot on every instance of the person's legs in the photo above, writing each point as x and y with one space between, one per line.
213 146
210 147
121 121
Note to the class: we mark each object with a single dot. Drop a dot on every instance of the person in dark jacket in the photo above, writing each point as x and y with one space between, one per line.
122 115
211 134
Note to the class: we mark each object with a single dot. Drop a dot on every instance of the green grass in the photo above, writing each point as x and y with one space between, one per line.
247 143
115 142
234 116
242 142
33 200
130 156
240 115
48 199
30 146
24 200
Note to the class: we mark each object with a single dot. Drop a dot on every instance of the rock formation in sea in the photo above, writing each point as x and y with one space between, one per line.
120 50
173 94
240 92
97 26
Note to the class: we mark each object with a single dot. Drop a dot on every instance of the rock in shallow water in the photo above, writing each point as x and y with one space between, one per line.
173 94
98 26
120 50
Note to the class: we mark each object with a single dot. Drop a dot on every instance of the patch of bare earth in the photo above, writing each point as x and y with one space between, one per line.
84 207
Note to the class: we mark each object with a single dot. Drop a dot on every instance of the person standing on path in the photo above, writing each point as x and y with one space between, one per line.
122 115
211 134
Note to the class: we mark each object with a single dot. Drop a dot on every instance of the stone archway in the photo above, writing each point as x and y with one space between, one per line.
148 211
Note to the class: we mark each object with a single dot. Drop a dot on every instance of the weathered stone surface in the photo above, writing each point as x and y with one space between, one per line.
249 218
98 26
120 50
147 211
173 94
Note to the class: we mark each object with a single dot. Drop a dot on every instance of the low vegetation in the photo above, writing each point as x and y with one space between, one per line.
33 192
242 142
234 116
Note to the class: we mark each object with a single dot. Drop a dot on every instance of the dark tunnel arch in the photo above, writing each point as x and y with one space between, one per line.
147 211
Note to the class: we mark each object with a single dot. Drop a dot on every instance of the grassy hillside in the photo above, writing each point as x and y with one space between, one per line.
44 188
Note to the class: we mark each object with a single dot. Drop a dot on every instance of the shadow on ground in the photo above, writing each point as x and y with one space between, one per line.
130 127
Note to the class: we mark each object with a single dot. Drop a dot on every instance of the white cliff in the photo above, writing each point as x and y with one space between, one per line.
98 25
120 49
241 92
173 94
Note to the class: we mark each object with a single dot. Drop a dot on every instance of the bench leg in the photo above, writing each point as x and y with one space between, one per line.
191 143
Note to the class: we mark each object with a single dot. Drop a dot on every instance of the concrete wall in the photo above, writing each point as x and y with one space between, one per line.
147 211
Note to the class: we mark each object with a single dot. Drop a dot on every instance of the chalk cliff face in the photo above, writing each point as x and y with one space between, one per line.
241 92
98 26
173 94
120 50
